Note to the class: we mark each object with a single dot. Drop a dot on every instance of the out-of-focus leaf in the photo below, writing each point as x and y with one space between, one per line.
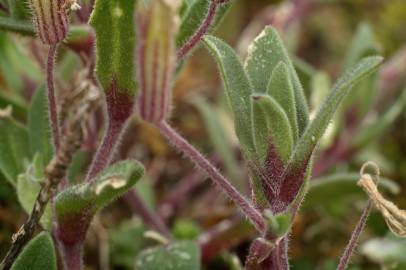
305 72
19 9
185 229
28 187
266 51
14 148
281 89
193 16
182 255
38 126
335 187
79 163
238 89
375 129
387 250
218 137
126 241
146 191
39 254
18 105
271 128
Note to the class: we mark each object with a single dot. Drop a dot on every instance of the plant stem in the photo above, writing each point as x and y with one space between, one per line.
349 249
202 163
202 30
72 256
139 207
53 108
107 148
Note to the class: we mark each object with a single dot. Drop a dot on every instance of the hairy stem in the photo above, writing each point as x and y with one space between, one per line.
106 149
151 219
202 30
202 163
53 108
349 249
72 256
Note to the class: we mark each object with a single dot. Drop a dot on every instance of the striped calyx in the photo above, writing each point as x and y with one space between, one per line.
157 25
51 19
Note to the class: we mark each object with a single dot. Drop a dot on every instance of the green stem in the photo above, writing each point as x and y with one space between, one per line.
12 25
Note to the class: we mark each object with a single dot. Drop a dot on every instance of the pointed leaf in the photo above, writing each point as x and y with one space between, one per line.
194 15
238 89
14 149
113 22
266 51
281 89
294 175
39 254
271 127
38 126
182 255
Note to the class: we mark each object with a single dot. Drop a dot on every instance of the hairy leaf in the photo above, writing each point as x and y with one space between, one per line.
271 126
238 89
182 255
38 126
14 147
281 89
266 51
113 22
294 175
39 254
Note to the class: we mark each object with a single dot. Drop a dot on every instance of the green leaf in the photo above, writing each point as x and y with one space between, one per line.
315 130
182 255
193 16
219 138
340 186
271 127
126 241
87 198
266 51
19 9
28 187
238 89
39 254
14 149
38 126
281 89
388 250
186 229
113 22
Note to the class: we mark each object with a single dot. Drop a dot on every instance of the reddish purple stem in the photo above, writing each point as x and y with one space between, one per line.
202 163
202 30
53 109
349 249
151 219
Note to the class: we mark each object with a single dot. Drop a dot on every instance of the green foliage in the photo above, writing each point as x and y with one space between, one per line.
113 22
39 254
266 51
388 251
182 255
19 9
317 127
271 128
107 186
185 229
238 89
38 126
13 148
194 13
126 241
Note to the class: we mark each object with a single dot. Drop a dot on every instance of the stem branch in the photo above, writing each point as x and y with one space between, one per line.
53 108
202 163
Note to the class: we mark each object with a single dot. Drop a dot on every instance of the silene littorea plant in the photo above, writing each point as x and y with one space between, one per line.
140 46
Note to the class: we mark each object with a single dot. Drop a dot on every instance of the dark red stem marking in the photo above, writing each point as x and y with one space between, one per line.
202 163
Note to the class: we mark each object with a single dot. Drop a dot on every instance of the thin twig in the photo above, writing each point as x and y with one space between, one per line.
202 163
202 30
53 108
54 173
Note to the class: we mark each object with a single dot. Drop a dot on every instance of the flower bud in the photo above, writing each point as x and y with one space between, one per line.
51 19
156 55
